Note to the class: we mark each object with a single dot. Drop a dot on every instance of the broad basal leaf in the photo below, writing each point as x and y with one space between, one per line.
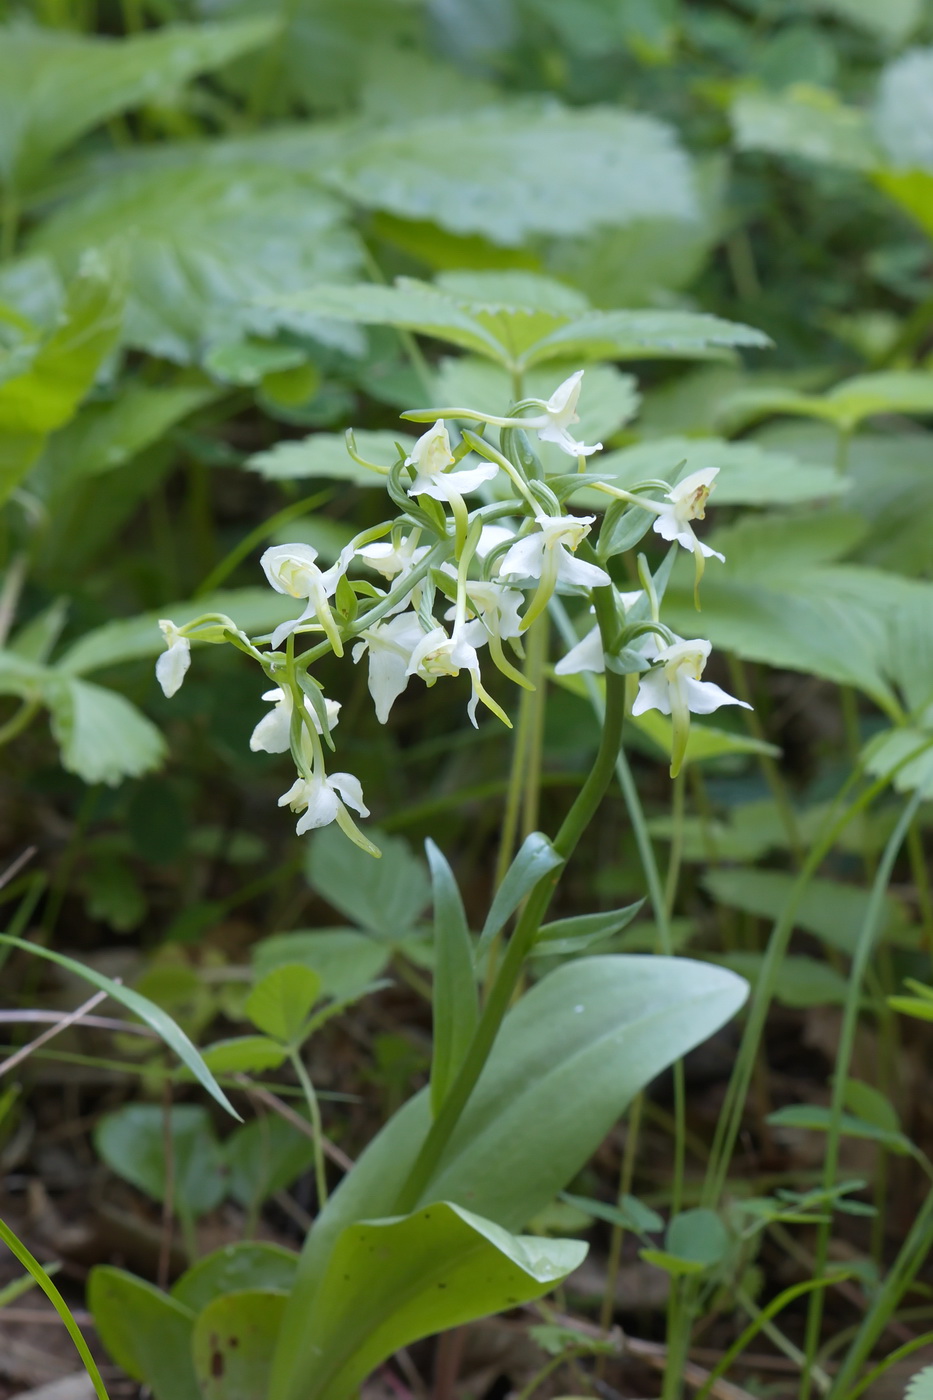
570 1056
233 1267
512 171
455 1006
207 246
56 85
233 1343
437 1268
145 1331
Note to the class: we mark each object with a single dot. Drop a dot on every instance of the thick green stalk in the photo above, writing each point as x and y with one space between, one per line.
523 937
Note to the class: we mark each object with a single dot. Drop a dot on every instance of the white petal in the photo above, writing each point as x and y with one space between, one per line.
273 732
289 567
350 790
654 693
587 655
703 697
557 433
172 665
321 809
579 572
285 629
524 559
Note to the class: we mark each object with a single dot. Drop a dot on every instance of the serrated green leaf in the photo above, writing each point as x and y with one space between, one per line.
207 247
455 1007
644 335
103 738
846 406
806 122
906 753
920 1385
282 1001
346 961
325 455
472 172
55 85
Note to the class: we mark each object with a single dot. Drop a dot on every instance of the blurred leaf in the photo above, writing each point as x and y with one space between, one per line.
525 168
325 455
55 86
834 912
263 1157
246 1264
132 1141
846 405
905 752
387 899
346 961
818 1118
698 1236
234 1342
574 934
892 22
281 1002
869 1104
145 1331
806 122
207 247
629 1214
904 109
800 981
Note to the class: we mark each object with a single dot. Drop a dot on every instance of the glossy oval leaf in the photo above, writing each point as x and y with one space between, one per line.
145 1331
249 1264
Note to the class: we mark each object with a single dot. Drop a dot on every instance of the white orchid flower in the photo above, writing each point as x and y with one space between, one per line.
394 561
490 536
438 654
547 555
273 732
496 607
560 410
673 687
319 799
390 645
686 502
432 459
172 665
291 569
588 654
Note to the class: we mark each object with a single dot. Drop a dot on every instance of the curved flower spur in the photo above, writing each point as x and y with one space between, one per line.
495 567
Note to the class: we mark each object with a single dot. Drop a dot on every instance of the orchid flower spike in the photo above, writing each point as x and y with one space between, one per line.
273 732
291 569
673 687
173 664
432 459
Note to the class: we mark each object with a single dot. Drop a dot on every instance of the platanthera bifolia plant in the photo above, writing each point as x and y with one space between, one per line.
420 1235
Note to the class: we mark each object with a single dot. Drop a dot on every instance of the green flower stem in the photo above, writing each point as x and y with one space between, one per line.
866 942
900 1354
304 1079
19 721
16 1247
526 929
